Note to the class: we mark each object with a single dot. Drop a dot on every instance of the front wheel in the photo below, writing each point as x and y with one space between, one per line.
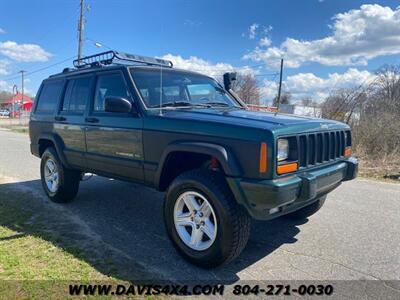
60 184
203 220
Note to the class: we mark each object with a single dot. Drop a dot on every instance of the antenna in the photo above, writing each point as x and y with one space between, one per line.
161 89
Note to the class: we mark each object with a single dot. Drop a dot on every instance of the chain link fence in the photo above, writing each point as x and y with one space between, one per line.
21 121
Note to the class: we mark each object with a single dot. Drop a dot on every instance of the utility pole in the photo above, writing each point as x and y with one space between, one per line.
280 85
22 83
22 91
81 28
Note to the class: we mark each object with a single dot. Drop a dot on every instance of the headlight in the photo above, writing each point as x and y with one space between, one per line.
283 149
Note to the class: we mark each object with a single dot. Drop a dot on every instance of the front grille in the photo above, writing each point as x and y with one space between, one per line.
320 147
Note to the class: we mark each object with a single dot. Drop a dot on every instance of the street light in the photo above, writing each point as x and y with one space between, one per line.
97 44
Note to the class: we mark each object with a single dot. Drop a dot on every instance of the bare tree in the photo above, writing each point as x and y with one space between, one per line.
310 102
343 103
246 87
386 90
285 98
4 95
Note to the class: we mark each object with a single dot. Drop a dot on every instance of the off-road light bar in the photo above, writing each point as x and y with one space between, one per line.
107 58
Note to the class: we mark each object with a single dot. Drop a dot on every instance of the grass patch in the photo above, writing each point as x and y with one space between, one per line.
42 250
27 251
383 168
16 128
24 130
31 264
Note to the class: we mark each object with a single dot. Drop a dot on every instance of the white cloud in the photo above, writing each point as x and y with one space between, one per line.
3 66
265 41
2 30
310 85
357 36
24 52
196 64
253 30
5 86
192 23
268 29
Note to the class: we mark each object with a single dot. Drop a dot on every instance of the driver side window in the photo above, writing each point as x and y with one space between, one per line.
109 85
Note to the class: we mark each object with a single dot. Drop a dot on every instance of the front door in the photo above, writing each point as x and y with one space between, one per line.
113 140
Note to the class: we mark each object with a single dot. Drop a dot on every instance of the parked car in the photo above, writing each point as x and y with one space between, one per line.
4 113
182 132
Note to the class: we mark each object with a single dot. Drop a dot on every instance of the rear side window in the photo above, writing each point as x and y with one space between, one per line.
76 95
48 98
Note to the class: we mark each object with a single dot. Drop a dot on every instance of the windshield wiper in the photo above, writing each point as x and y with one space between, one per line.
182 103
176 103
217 104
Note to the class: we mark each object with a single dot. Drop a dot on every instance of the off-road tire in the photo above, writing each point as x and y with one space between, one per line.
68 179
233 222
307 211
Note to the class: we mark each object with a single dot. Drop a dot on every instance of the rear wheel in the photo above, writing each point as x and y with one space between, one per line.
307 211
203 220
60 184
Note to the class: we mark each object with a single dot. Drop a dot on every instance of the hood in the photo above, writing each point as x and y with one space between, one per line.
247 118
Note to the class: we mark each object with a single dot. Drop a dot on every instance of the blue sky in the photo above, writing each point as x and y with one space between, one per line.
325 44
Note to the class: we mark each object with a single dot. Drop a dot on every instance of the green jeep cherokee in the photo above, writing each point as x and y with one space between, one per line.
181 132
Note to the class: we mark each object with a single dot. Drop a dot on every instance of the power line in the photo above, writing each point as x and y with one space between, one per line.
39 70
52 65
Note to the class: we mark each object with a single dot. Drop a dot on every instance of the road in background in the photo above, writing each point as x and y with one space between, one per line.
355 235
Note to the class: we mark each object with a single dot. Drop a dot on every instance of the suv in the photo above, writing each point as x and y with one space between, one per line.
181 132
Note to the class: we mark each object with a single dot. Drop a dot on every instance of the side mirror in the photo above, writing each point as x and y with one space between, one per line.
228 78
117 105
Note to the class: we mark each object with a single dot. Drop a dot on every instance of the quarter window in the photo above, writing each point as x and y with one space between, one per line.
49 96
110 85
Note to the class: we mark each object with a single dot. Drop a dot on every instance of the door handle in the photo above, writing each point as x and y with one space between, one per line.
92 120
60 118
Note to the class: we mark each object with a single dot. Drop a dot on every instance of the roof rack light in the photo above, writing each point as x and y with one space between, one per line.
107 58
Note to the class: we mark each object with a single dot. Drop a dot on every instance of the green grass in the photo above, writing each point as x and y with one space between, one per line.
23 130
16 128
28 253
41 252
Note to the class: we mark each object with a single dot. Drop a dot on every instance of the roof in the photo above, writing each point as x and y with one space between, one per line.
18 98
86 70
112 59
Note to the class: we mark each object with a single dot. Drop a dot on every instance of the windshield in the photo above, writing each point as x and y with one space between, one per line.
180 89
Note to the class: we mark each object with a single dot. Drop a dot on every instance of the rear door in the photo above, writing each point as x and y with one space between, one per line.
70 120
113 140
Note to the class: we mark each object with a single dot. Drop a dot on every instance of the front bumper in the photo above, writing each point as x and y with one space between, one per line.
268 199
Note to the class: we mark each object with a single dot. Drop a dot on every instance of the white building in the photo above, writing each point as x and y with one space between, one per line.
297 109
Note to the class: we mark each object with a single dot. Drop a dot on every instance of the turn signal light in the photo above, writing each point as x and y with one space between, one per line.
263 158
347 151
287 168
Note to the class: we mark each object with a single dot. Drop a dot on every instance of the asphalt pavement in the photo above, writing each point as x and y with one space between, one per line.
355 235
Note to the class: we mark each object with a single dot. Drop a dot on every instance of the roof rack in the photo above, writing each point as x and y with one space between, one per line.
108 57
